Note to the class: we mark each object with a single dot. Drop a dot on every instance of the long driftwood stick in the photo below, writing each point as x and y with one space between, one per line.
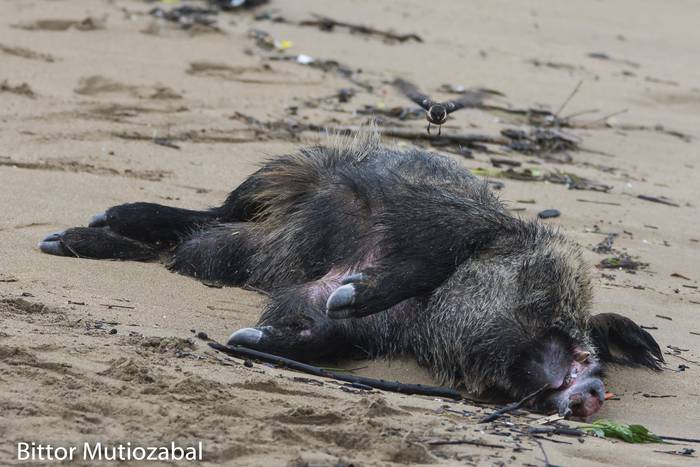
514 406
244 352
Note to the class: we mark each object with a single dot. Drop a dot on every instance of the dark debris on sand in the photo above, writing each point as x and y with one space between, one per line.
622 261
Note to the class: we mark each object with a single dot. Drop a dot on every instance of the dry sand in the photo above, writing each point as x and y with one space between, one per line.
78 138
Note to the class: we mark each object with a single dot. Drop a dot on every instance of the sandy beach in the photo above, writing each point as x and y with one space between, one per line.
101 103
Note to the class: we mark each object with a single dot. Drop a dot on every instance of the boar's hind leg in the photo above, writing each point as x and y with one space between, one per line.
295 325
136 231
620 340
96 243
243 204
220 253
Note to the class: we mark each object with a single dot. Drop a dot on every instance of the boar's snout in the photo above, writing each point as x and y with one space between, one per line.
583 398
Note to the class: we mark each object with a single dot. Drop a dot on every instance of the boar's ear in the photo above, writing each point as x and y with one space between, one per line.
620 340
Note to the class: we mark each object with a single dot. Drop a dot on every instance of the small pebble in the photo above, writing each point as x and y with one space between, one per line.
203 335
248 364
549 213
113 331
345 94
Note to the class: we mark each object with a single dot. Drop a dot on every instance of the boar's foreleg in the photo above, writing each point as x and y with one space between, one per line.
382 286
421 244
295 325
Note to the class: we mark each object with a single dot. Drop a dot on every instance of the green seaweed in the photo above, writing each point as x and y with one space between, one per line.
628 433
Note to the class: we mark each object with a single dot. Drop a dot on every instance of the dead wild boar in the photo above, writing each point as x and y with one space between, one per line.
372 250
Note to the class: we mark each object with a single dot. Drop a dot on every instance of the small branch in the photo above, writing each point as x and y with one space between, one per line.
514 406
327 24
604 118
243 352
165 142
118 306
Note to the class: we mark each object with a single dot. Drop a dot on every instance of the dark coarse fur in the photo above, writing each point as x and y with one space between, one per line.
482 299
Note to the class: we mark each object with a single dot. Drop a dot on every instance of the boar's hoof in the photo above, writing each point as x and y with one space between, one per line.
52 245
98 220
341 302
246 337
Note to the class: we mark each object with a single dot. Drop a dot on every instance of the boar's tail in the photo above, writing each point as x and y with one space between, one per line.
620 340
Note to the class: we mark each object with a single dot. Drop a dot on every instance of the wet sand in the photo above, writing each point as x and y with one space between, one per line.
83 102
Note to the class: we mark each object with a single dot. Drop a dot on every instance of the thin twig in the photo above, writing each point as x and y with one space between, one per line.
609 203
684 453
568 99
514 406
606 117
658 199
75 253
579 113
255 289
675 438
118 306
243 352
544 453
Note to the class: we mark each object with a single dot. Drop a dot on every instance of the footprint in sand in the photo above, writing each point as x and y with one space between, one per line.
26 53
83 167
96 85
21 89
221 70
87 24
244 74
